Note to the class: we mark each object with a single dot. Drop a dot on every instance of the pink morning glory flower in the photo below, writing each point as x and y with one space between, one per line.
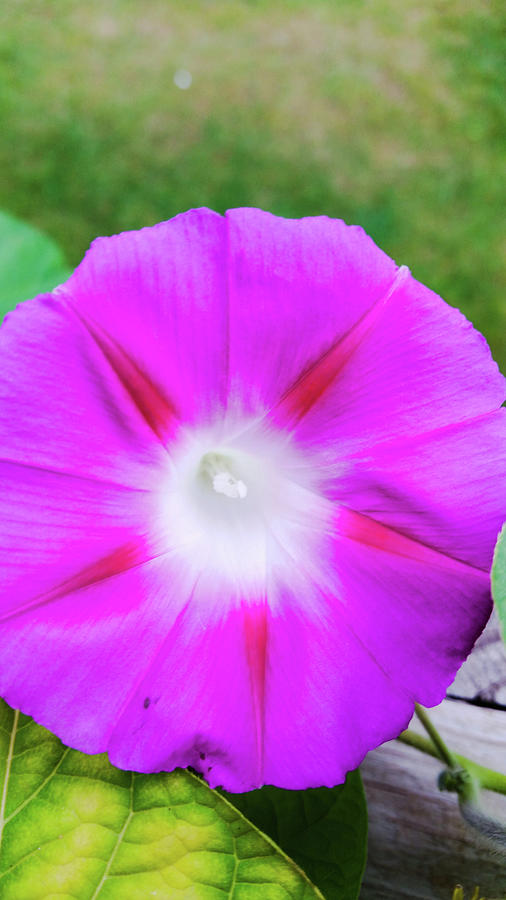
251 477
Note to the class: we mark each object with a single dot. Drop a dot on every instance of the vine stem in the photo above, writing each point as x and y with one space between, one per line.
487 778
443 752
463 777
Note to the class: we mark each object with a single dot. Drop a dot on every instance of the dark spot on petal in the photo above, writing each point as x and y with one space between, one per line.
202 755
147 702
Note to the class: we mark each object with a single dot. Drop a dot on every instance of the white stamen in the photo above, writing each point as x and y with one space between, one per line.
238 506
225 483
218 468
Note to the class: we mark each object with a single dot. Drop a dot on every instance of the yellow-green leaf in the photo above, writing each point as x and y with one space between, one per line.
73 827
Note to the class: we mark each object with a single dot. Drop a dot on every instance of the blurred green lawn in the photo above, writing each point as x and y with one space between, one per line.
386 113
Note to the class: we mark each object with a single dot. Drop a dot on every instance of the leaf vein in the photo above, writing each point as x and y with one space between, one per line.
117 844
8 764
236 868
40 788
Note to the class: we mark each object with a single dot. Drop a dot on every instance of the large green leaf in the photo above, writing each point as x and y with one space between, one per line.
73 827
499 579
324 830
30 263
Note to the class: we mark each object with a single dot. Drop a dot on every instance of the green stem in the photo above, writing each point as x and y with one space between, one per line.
488 779
442 750
463 777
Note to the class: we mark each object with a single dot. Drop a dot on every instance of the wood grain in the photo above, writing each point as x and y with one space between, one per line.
483 675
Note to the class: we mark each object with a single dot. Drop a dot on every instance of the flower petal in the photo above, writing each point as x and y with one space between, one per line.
80 465
416 610
446 489
61 532
63 407
73 662
387 623
160 294
420 366
200 703
295 287
327 701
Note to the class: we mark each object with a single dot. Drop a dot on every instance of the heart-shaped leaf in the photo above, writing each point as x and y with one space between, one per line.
73 827
323 829
30 263
499 579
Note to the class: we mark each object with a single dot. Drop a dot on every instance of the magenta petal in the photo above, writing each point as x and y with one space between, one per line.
198 703
61 532
295 286
160 294
73 662
417 610
294 735
446 489
62 406
328 701
387 622
420 366
78 460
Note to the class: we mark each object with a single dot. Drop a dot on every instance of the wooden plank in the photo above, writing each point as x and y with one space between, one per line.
483 675
419 846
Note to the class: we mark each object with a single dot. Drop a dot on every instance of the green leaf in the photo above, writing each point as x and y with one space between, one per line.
323 829
30 263
499 579
73 827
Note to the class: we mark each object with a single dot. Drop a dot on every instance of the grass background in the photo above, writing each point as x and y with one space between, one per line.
388 114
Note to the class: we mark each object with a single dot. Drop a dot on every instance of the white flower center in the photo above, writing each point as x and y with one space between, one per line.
241 508
219 469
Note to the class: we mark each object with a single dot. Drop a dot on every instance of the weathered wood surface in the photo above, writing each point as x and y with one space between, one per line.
483 675
419 846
